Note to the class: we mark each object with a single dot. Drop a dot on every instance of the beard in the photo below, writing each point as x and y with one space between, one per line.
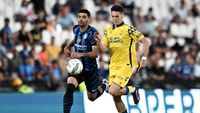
81 24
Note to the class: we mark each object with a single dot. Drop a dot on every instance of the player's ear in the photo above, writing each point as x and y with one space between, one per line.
90 19
122 14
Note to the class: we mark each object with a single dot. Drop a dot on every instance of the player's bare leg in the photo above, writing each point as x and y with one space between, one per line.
114 90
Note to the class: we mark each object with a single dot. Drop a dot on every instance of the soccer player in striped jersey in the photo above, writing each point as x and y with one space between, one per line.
87 51
121 40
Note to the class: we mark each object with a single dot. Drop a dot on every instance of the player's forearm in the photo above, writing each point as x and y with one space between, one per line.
145 49
102 48
90 54
71 44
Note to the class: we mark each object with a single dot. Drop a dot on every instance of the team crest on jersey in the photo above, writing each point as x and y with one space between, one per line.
85 36
79 39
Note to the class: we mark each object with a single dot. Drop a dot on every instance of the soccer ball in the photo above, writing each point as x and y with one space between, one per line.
74 66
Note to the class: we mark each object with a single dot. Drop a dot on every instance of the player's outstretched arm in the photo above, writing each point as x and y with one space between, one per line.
67 48
93 54
102 47
145 51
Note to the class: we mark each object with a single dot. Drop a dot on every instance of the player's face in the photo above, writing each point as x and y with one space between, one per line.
117 17
83 19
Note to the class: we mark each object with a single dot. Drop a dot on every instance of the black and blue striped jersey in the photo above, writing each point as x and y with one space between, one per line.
83 44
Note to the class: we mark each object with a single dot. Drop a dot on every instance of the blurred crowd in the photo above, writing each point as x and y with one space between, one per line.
33 37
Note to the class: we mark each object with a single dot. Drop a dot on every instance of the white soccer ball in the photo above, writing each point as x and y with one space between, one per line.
74 66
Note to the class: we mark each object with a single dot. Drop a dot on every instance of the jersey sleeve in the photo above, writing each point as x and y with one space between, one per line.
105 39
135 34
92 40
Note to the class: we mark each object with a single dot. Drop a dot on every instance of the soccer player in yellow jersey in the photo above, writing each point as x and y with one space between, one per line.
121 40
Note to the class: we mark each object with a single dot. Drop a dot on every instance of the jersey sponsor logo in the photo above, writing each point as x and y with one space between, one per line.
115 40
81 47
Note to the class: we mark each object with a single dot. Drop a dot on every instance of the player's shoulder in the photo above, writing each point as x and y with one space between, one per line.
108 28
131 29
92 29
128 26
75 28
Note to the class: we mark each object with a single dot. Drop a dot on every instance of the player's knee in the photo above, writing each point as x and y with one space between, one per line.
91 98
113 92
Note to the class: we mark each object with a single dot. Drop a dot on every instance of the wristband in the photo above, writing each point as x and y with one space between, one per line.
144 58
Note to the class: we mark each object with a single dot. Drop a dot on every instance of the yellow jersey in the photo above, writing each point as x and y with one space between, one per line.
121 40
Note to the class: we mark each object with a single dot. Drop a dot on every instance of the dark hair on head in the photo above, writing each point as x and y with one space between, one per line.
117 8
84 11
6 19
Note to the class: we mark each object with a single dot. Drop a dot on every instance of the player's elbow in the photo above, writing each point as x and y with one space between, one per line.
94 55
145 42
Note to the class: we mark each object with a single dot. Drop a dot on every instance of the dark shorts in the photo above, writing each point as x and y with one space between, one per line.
90 78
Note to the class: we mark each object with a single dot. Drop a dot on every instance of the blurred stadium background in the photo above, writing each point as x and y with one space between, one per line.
32 64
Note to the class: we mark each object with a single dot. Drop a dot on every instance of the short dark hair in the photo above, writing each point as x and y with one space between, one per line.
6 19
84 11
117 8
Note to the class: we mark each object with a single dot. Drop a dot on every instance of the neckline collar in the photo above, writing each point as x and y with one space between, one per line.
115 26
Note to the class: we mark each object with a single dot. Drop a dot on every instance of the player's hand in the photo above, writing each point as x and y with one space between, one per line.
75 55
143 64
67 52
97 37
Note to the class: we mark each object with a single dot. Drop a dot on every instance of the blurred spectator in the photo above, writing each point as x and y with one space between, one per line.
5 40
193 39
6 28
5 73
187 67
5 68
25 51
56 8
2 50
55 76
22 36
151 23
27 69
182 10
194 11
66 18
156 72
103 12
53 50
176 68
75 5
39 83
1 79
15 61
99 20
24 12
129 6
41 19
38 5
43 56
142 26
36 33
